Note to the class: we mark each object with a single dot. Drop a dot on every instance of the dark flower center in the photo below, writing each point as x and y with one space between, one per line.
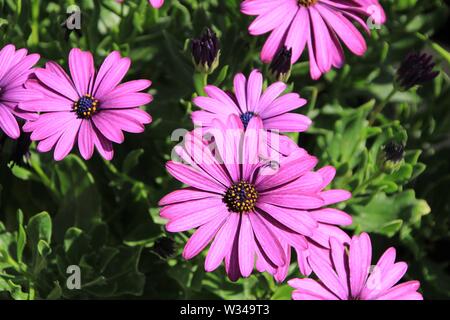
306 3
85 107
246 117
241 197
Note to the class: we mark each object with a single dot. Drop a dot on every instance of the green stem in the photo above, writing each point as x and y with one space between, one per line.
200 82
381 106
364 185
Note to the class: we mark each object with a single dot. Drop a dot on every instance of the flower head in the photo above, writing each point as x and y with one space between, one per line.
245 208
350 276
250 101
415 69
206 52
89 107
318 25
15 68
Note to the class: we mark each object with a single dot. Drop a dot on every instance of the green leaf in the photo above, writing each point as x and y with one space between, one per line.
21 236
39 228
132 160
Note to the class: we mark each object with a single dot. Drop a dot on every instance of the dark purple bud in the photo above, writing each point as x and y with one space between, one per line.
415 69
206 52
281 66
164 247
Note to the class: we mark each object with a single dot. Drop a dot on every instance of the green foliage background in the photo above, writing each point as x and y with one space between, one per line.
103 216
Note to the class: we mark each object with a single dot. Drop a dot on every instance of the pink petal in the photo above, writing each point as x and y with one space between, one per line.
108 128
177 210
86 140
196 218
254 88
246 249
112 71
295 39
298 221
156 3
344 29
283 104
193 178
67 140
335 196
81 66
308 289
332 216
103 145
268 242
6 58
288 122
55 78
250 147
240 90
200 239
7 122
222 243
184 195
360 256
328 276
218 94
404 291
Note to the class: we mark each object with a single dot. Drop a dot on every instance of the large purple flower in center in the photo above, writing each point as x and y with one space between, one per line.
246 209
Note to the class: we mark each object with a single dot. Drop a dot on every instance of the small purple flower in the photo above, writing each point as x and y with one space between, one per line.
250 101
91 108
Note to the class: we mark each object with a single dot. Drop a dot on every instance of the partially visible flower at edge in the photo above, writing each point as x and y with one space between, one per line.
16 66
154 3
91 108
318 25
350 276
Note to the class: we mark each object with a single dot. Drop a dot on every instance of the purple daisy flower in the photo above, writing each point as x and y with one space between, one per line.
319 26
15 68
246 209
249 101
348 275
91 108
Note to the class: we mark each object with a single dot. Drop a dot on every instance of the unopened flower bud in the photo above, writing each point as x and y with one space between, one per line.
391 157
280 67
164 247
415 69
206 52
